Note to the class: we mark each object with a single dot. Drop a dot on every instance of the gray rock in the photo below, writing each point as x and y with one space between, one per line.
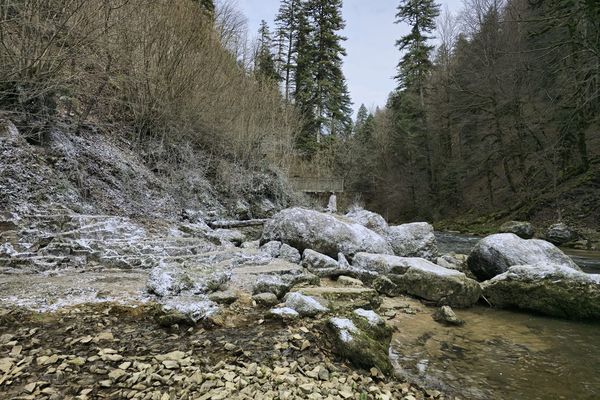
348 281
290 254
413 240
8 130
453 261
494 254
368 219
271 284
271 248
313 260
192 307
306 306
284 313
560 234
429 281
446 315
321 232
228 235
380 263
265 299
522 229
171 280
555 290
254 244
384 285
325 266
223 297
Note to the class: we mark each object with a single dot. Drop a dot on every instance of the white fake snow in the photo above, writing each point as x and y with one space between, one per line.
372 318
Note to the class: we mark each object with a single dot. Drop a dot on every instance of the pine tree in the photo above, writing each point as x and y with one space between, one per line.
330 100
361 119
304 82
264 64
415 65
287 22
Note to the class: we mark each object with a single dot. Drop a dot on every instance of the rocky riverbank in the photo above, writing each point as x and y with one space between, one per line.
117 352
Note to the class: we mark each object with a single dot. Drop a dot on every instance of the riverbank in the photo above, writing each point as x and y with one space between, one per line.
117 352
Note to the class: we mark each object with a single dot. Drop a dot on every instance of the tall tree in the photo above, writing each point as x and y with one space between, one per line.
264 64
415 65
330 99
287 23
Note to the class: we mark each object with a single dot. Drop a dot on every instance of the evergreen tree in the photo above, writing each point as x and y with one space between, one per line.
264 64
330 100
287 22
415 65
304 83
361 119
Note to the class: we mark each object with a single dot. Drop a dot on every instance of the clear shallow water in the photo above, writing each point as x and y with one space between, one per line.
589 261
500 355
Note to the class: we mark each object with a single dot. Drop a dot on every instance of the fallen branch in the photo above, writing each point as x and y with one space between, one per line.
236 224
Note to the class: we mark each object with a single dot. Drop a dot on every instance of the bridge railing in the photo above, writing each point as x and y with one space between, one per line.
317 185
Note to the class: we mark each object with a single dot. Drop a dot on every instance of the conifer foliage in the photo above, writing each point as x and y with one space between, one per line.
309 59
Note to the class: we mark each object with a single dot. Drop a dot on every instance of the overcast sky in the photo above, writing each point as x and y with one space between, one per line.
372 56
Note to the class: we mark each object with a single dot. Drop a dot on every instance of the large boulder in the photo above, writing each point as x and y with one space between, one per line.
560 234
494 254
555 290
324 233
520 228
413 240
429 281
368 219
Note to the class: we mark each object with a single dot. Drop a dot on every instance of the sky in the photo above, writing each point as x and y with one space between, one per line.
372 56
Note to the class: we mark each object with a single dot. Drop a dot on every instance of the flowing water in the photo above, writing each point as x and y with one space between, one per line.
499 354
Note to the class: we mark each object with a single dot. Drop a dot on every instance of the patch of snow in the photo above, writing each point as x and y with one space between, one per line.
371 316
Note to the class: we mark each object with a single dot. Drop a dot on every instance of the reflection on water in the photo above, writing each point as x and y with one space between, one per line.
589 261
499 355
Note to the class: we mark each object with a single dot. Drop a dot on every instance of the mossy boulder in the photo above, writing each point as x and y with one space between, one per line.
545 288
361 347
522 229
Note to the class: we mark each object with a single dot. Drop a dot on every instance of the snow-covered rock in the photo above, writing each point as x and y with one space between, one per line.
306 306
413 240
324 233
494 254
361 347
368 219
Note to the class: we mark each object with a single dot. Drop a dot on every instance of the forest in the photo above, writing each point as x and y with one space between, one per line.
496 108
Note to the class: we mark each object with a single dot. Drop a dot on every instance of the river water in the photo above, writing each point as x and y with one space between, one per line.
498 354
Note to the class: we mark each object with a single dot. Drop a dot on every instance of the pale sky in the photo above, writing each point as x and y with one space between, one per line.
372 55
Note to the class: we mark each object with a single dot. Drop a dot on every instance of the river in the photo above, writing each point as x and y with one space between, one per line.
499 354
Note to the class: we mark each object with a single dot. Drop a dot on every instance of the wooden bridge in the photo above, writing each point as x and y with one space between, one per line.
317 184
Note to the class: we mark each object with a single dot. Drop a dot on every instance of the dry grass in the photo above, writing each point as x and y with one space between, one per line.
153 70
